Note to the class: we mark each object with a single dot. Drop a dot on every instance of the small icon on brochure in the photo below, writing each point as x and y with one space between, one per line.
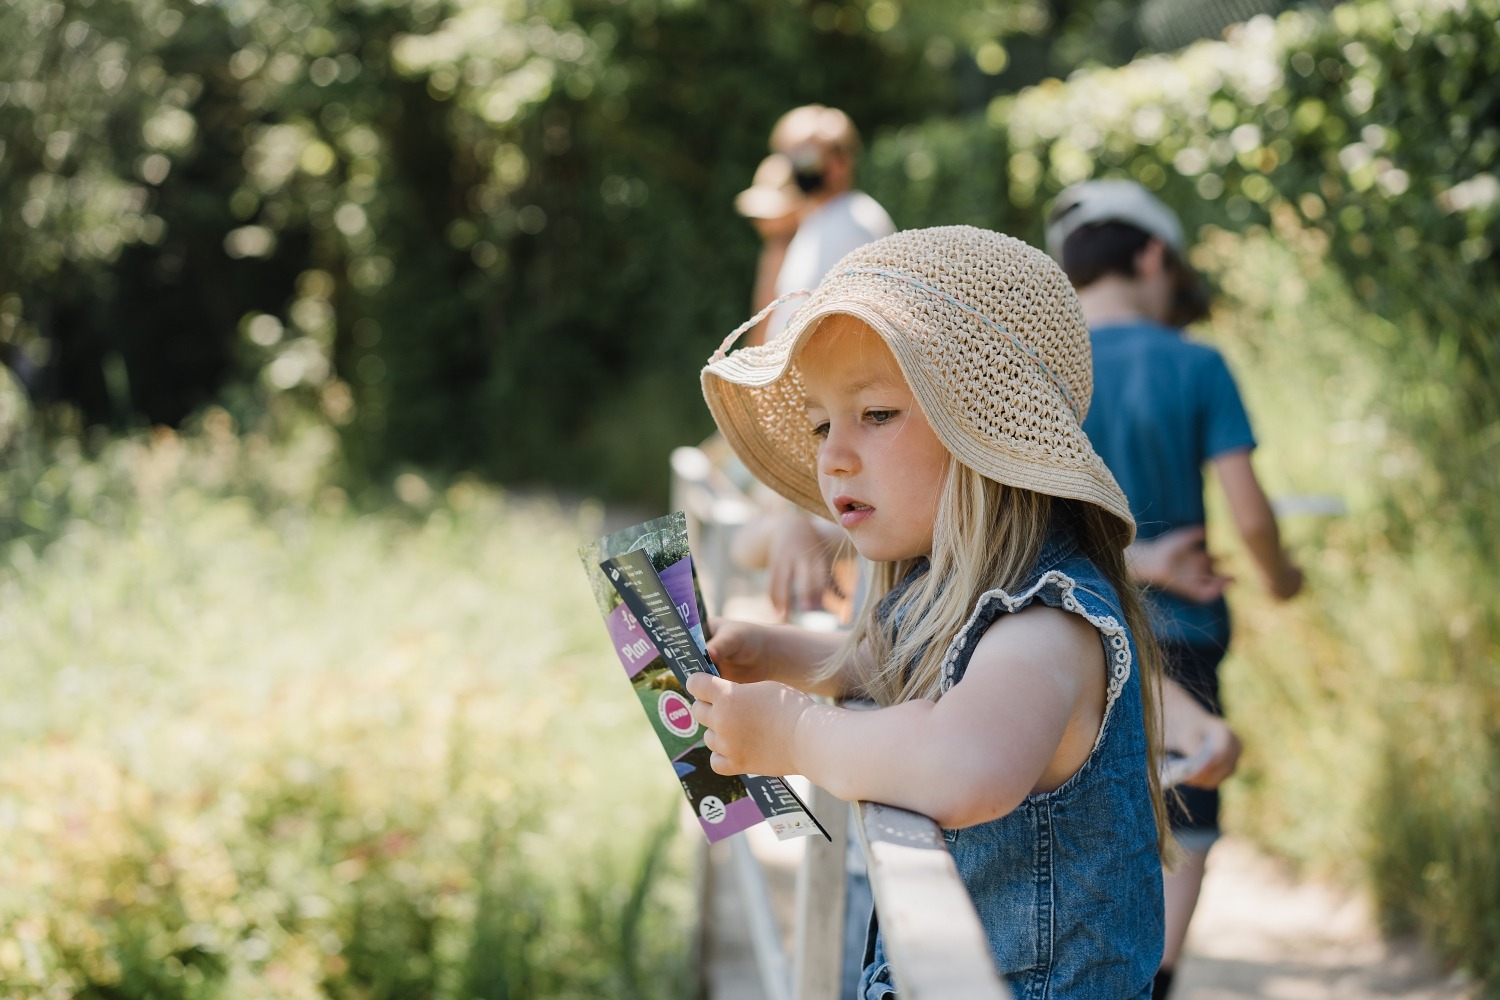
711 808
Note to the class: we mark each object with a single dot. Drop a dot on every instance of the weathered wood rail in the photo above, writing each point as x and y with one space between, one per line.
936 945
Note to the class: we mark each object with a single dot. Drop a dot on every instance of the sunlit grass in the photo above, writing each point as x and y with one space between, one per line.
257 747
1368 705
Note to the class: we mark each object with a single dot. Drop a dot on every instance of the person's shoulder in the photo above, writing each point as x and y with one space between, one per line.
1039 632
1167 339
868 214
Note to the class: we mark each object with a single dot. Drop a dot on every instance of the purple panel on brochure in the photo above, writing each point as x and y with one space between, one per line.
630 642
732 818
678 579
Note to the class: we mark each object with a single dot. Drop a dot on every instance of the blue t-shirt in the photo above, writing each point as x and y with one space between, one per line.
1162 407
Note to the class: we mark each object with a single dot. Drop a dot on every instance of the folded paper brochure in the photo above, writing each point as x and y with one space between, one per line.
644 583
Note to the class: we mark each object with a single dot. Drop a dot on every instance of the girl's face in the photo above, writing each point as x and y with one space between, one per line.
880 466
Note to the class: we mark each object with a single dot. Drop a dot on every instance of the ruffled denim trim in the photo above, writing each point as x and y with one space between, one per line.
1063 589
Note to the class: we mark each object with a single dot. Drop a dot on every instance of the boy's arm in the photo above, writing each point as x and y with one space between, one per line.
1178 563
1256 523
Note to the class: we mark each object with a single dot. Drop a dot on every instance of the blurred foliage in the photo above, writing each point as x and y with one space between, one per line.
471 234
445 226
1368 704
258 746
1356 155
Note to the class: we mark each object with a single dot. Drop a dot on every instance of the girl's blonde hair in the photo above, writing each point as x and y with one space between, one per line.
986 536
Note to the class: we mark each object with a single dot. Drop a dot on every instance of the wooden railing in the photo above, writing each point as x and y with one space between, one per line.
933 938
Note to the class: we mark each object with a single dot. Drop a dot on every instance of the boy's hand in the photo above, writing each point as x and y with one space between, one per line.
1221 755
1191 730
751 728
1288 583
1178 563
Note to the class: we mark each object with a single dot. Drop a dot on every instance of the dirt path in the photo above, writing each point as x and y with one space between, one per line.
1259 933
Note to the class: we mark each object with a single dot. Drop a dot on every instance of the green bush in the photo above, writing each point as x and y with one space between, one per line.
1353 154
470 234
262 746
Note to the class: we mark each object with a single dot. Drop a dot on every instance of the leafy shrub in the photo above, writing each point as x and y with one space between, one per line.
469 234
254 747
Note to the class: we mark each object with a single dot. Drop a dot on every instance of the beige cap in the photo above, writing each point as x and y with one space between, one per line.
990 336
815 124
773 192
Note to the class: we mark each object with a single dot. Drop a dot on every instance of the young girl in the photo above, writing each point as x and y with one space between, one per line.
928 398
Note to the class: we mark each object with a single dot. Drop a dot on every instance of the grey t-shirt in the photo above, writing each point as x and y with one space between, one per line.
840 225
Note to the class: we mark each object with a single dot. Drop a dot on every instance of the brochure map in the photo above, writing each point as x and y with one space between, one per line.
647 592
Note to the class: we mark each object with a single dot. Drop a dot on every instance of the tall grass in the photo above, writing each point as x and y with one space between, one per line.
1370 704
256 744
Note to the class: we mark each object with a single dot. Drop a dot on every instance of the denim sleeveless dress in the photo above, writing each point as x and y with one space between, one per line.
1068 885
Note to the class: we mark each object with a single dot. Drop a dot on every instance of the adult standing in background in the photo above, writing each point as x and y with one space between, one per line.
823 147
774 205
819 147
1164 408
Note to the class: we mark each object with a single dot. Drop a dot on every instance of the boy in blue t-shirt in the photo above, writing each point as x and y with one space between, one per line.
1164 407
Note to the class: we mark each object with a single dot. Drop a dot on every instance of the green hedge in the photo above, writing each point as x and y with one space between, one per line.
474 235
1354 154
256 743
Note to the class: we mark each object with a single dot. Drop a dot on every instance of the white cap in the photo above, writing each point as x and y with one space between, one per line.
1111 200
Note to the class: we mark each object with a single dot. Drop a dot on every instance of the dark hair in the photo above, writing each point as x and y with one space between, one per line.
1094 252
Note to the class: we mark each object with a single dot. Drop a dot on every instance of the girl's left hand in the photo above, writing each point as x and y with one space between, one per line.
751 727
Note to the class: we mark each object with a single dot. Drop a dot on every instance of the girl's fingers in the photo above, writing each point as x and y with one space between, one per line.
722 764
705 687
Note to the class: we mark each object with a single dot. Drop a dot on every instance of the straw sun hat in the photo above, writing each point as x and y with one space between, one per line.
987 331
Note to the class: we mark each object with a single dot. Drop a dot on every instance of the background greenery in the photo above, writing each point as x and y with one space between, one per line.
359 252
254 744
472 233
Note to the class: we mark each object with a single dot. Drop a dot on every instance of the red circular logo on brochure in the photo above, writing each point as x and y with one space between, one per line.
676 714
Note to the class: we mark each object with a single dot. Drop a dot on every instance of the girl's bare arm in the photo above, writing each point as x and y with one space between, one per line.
1023 719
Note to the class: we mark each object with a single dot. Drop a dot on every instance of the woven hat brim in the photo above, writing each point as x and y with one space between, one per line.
755 395
729 389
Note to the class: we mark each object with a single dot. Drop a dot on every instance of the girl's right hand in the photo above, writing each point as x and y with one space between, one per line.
740 651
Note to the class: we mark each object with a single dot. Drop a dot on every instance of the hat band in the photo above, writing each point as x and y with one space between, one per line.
749 324
914 282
